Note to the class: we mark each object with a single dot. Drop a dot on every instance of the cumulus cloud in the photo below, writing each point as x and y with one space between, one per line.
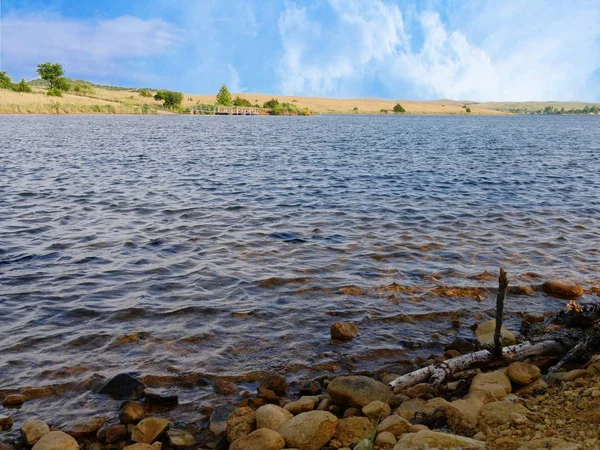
86 47
516 50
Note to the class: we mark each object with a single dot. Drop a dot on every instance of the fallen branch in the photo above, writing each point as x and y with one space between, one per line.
502 288
582 346
438 373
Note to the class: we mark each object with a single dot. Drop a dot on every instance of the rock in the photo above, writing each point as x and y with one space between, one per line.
310 388
523 373
33 431
304 404
180 438
461 345
419 390
160 397
364 444
385 440
6 422
434 439
309 431
351 412
131 413
275 383
574 374
377 410
218 419
351 430
394 424
500 413
261 439
537 387
496 383
267 395
240 423
562 289
123 386
343 331
116 433
358 391
149 430
462 415
85 427
452 353
414 408
13 401
272 417
324 405
223 387
550 444
155 446
56 440
485 335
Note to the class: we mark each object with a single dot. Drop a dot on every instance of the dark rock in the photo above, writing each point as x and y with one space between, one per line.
6 422
123 386
461 345
275 383
268 395
343 331
223 387
158 397
13 401
310 388
218 418
116 433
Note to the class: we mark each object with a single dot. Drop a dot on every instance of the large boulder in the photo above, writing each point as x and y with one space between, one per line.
262 439
394 424
434 439
56 440
562 289
240 423
351 430
123 386
272 417
149 430
496 384
343 331
496 414
31 432
485 334
309 431
358 391
462 415
523 373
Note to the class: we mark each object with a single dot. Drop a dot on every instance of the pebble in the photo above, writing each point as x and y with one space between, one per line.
13 400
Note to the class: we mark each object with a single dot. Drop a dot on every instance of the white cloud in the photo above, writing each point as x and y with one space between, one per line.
85 47
503 50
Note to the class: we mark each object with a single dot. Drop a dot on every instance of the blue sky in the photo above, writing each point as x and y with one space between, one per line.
422 49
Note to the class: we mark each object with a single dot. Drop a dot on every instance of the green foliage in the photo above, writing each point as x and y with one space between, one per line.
271 104
550 110
170 99
22 86
355 109
468 110
62 84
224 97
5 81
238 101
81 87
398 108
55 92
51 73
383 111
287 109
145 93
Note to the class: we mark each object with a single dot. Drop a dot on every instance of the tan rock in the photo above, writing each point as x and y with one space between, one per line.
33 431
377 410
272 417
463 414
385 440
131 412
549 444
495 414
275 383
395 425
240 423
309 431
496 383
343 331
304 404
537 387
574 374
351 430
261 439
155 446
485 334
412 408
562 289
56 440
85 427
523 373
419 390
180 438
351 412
224 387
116 433
435 439
13 400
149 430
358 391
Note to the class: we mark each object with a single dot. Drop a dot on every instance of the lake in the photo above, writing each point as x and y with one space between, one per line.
186 249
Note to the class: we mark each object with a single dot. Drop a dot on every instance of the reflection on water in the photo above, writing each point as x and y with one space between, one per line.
188 248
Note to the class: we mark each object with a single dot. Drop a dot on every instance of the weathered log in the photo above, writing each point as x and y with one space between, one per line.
436 374
502 289
582 346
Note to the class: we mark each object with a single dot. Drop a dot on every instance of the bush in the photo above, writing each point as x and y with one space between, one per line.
399 109
468 110
224 97
145 93
61 84
238 101
55 92
22 86
5 81
170 99
383 111
271 104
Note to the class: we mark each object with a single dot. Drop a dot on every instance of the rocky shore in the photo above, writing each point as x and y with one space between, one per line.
507 408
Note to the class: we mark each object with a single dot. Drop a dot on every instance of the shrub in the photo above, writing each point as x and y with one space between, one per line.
399 109
5 81
170 99
224 97
271 104
355 109
145 93
22 86
61 84
468 110
383 111
238 101
55 92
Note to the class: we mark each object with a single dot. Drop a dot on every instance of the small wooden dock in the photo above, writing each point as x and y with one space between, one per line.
217 110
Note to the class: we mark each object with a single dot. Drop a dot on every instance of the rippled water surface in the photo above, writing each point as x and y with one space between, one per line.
190 248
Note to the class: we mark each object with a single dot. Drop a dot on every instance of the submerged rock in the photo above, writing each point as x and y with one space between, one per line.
123 386
485 334
343 331
562 289
310 387
359 391
262 439
13 400
309 430
56 440
160 397
218 419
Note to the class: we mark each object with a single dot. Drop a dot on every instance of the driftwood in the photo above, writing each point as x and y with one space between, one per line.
502 288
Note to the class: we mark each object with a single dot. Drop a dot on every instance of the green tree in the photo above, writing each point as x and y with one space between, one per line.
355 109
238 101
51 73
224 97
22 86
5 81
145 93
468 110
170 99
399 109
271 104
